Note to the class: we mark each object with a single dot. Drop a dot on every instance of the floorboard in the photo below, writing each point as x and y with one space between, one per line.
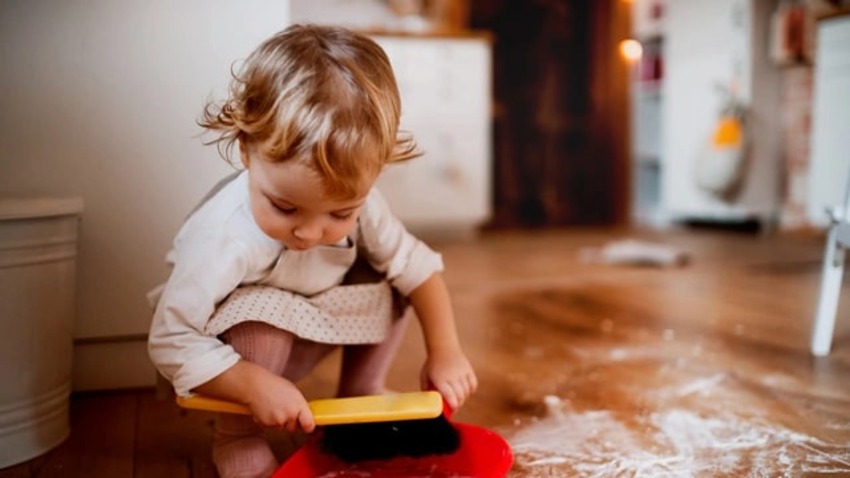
101 442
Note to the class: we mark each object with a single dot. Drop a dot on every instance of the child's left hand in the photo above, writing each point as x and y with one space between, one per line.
450 372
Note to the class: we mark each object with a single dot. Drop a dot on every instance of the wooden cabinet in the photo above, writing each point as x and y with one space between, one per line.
445 84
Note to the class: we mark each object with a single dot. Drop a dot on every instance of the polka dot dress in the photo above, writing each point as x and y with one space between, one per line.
347 314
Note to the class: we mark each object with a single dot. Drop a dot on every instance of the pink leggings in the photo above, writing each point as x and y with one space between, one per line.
239 448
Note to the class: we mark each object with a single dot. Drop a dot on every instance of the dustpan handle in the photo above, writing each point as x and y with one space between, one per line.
447 409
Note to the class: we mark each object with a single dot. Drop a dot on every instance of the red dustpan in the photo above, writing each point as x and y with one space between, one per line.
482 454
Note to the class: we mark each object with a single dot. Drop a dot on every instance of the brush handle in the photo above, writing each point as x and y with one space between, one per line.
209 404
335 411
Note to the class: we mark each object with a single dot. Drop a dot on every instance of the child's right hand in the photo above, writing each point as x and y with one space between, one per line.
273 400
278 403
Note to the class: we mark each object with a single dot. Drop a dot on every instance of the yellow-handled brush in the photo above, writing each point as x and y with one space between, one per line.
337 411
372 427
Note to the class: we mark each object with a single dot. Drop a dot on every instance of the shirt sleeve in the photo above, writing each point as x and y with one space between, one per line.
205 272
392 250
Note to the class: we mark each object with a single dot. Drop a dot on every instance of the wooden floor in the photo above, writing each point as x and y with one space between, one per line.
589 370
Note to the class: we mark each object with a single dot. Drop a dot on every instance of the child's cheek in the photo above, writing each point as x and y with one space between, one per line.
272 224
340 230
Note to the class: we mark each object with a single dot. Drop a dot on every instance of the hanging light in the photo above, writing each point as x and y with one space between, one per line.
631 50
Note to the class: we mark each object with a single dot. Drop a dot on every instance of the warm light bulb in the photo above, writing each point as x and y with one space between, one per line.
631 50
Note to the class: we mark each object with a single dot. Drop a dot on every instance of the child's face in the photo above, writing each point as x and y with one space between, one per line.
289 204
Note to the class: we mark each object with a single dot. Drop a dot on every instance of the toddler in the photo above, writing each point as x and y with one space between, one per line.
268 272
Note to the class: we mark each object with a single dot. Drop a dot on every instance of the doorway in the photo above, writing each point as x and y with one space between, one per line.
560 131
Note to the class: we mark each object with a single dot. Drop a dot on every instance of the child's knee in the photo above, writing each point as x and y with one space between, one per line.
304 357
261 343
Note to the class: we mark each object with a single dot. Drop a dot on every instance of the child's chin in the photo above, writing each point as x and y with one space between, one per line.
295 246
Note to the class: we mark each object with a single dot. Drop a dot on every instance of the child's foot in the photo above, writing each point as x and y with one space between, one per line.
243 457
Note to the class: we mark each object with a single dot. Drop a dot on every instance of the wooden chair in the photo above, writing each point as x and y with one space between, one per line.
837 242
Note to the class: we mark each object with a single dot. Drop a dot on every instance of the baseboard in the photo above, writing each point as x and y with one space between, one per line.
112 363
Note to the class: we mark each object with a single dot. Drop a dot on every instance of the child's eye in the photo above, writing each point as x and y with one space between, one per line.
284 210
341 216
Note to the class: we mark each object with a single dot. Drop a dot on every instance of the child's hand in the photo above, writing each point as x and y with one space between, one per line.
450 372
278 403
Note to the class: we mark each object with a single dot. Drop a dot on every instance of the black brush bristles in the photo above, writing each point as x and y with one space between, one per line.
385 440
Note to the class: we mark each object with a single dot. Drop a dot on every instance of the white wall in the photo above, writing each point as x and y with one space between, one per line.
98 99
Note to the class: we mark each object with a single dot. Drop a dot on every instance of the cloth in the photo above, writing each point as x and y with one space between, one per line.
220 248
348 314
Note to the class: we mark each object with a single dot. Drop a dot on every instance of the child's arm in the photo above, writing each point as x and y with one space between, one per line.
197 362
274 401
446 367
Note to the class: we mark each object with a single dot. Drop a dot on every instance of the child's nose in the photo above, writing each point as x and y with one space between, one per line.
308 231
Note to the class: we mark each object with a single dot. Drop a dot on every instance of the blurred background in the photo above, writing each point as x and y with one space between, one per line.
533 114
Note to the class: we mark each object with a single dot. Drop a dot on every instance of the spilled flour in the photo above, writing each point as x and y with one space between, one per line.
684 420
680 444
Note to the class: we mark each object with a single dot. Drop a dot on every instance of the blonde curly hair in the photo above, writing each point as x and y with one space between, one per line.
320 94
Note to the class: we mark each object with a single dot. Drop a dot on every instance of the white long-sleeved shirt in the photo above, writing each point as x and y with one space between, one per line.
220 247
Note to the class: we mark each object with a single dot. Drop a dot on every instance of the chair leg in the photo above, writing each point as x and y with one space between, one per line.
830 290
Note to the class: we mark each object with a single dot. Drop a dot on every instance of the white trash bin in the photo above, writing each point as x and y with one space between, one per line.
38 249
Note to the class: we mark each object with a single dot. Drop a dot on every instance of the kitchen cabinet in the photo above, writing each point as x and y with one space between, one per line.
445 86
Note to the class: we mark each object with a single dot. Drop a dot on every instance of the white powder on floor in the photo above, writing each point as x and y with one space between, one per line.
677 443
692 416
701 386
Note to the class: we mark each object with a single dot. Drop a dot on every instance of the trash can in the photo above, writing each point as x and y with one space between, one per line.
38 249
